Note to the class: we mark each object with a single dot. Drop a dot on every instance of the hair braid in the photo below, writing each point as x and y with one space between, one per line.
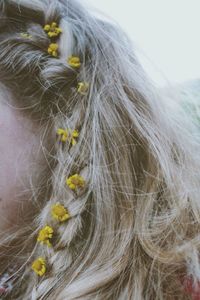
121 234
53 75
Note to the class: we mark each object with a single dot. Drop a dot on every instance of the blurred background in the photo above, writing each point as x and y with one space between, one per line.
166 33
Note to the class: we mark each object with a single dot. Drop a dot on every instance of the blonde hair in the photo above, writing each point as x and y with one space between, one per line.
134 228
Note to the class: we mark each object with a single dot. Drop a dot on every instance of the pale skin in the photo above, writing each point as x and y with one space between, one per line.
20 155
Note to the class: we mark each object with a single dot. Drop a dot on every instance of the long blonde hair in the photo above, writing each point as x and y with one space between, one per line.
134 228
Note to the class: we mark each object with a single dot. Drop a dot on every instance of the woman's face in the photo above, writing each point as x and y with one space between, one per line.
19 156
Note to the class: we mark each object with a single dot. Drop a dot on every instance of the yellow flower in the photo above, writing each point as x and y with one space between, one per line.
45 235
68 134
52 30
52 50
39 266
83 88
26 35
59 212
74 134
63 133
75 181
74 61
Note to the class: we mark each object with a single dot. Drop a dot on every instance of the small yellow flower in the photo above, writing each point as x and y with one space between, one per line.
83 88
74 134
63 133
59 212
68 134
45 235
52 50
52 29
74 61
75 181
26 35
39 266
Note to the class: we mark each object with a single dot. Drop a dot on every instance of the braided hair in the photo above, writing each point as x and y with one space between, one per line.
115 216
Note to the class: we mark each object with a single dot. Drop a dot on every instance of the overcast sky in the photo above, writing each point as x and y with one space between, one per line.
167 32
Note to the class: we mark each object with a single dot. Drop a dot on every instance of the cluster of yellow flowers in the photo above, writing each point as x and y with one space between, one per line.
46 234
26 35
68 134
60 214
58 211
53 31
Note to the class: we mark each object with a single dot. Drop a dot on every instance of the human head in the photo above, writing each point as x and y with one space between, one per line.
120 236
